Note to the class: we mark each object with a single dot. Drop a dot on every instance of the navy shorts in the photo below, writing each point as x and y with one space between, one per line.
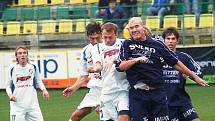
186 112
148 105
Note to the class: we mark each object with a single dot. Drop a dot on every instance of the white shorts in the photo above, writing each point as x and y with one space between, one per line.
91 99
113 103
29 115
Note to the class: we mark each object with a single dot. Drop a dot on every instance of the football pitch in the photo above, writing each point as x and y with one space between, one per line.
59 108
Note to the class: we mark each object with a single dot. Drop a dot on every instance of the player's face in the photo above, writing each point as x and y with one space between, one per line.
95 38
137 31
22 56
109 38
171 42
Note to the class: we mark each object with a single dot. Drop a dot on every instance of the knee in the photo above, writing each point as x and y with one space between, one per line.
76 116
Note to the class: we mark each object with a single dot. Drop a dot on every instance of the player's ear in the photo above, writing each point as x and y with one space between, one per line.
179 40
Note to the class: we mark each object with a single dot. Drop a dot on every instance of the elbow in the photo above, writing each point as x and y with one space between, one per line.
121 68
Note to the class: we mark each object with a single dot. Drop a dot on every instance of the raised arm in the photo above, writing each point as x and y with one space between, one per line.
80 81
127 64
183 69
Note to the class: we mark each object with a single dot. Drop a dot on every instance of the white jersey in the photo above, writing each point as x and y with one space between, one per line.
86 62
112 80
22 84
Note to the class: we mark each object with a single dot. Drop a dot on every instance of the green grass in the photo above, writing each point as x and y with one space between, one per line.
59 108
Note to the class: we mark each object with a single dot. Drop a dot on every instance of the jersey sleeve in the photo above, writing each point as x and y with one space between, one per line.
83 62
38 79
9 84
124 53
193 65
168 55
96 53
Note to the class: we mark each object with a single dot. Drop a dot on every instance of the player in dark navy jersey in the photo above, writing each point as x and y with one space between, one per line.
180 106
142 58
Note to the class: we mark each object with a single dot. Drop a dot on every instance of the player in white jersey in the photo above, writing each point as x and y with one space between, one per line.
114 94
91 99
21 88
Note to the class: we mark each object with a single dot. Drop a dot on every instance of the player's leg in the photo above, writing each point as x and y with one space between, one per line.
90 101
108 110
138 105
123 106
17 116
34 115
173 113
80 113
188 113
159 105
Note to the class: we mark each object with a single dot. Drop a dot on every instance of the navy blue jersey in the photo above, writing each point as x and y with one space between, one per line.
150 73
177 95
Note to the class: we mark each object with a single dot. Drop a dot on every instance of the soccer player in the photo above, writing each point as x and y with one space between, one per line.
23 77
142 58
180 106
114 104
91 99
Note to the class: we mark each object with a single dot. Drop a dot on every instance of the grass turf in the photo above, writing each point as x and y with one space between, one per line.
59 108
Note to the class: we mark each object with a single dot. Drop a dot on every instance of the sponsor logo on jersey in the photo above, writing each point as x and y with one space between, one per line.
23 78
189 112
134 46
111 52
163 118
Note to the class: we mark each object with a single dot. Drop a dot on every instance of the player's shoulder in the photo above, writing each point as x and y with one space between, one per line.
183 54
10 67
99 47
158 38
86 47
32 66
126 41
119 41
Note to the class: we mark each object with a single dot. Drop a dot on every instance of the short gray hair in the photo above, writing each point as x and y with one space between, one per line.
135 20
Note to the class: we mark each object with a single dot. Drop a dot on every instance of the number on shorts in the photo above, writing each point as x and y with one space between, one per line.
13 117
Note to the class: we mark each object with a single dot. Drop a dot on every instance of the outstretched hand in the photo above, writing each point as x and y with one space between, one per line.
68 91
201 82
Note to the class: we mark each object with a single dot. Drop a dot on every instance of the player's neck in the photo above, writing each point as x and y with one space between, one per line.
23 64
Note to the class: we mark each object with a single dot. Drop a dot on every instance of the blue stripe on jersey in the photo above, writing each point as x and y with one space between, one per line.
84 54
12 84
195 67
34 79
13 117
